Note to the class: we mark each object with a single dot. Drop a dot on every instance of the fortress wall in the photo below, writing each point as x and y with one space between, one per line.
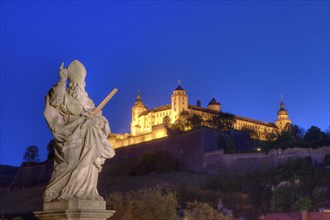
217 161
317 155
186 147
198 150
243 164
123 140
247 161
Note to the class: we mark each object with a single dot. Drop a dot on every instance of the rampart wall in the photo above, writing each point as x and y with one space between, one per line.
123 140
198 150
217 161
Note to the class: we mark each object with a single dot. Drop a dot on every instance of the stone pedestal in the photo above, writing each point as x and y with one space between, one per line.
74 210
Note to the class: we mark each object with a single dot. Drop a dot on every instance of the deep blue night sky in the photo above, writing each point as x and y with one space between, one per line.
244 53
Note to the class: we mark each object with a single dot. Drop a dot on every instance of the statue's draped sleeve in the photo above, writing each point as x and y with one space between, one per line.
54 99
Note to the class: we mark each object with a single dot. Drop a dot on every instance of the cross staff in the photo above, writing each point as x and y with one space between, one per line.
105 101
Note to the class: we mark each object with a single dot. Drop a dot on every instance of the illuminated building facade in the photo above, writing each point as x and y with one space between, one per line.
149 124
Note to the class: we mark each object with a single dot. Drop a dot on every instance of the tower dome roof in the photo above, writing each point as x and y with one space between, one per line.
138 102
282 110
214 102
179 88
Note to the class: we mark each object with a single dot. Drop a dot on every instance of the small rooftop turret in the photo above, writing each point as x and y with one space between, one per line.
282 117
214 105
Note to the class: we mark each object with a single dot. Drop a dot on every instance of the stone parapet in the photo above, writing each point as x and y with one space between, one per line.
74 210
74 204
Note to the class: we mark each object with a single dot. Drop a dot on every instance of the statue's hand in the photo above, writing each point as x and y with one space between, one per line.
99 121
90 119
63 72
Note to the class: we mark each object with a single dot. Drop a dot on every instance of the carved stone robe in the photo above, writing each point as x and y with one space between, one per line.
81 145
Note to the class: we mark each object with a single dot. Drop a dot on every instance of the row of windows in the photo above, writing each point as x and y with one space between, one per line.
156 118
255 127
162 114
174 103
179 93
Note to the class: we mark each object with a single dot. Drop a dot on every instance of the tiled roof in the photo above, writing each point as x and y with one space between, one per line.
157 109
197 108
214 102
179 88
255 121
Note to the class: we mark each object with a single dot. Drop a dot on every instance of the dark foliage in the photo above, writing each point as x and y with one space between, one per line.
144 204
314 134
222 122
154 162
295 136
327 160
296 184
31 154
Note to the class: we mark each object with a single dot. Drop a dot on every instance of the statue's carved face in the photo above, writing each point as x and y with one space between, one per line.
77 91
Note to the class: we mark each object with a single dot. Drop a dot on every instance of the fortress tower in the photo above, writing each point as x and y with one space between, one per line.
282 118
179 102
214 105
137 122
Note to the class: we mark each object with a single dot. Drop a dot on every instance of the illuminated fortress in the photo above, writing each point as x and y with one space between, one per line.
149 124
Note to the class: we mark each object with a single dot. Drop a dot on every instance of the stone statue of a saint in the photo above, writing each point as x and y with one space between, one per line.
81 144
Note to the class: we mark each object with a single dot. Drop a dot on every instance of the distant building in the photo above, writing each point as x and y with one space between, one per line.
149 124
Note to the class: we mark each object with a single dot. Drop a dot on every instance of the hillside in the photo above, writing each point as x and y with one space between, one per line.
249 194
7 174
248 183
112 178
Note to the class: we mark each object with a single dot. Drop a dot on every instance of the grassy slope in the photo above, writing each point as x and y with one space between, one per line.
7 174
113 178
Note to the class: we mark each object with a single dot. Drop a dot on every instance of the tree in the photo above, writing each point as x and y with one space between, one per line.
253 134
314 134
182 122
327 160
222 121
145 204
327 133
195 120
297 132
31 154
154 162
283 198
284 138
188 121
302 204
197 210
269 143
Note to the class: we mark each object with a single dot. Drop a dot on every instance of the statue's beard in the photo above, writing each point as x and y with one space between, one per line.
77 91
